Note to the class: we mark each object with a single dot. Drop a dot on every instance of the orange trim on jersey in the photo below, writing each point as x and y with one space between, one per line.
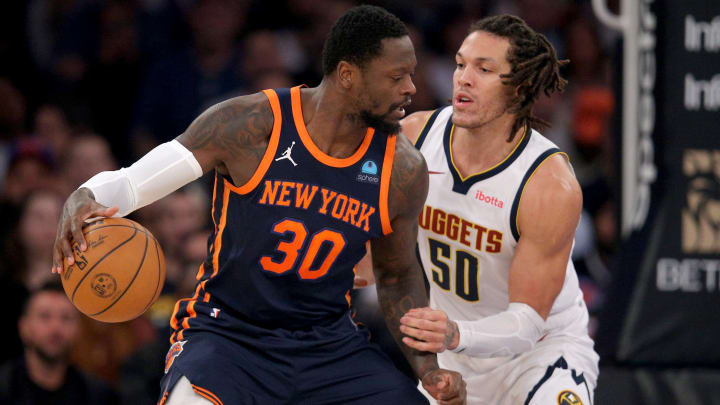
190 309
212 211
174 319
385 184
269 152
310 145
164 398
348 298
221 227
201 271
207 394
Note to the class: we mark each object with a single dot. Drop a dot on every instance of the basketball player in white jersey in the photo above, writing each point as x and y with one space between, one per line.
497 229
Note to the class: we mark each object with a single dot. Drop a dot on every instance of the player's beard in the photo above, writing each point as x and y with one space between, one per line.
381 123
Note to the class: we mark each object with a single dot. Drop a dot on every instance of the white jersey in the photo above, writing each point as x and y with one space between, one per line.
467 238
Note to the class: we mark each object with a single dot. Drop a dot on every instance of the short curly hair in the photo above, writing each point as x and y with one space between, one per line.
357 36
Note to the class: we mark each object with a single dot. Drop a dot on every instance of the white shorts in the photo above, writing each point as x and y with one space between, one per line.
549 374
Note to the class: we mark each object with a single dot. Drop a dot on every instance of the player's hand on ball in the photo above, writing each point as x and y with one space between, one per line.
78 207
429 330
446 386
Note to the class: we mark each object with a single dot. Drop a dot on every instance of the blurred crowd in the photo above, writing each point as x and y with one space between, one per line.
91 85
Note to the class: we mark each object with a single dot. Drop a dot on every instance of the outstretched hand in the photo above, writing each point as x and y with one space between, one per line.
78 207
446 386
429 330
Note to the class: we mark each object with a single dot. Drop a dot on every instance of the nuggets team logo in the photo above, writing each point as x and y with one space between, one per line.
568 398
701 211
174 351
104 285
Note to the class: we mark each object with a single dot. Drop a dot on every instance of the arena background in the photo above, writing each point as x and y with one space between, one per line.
90 85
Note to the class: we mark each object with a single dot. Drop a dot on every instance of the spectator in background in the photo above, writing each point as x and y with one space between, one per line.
171 220
115 75
106 346
36 234
261 53
52 128
44 375
87 154
29 169
186 81
24 251
12 120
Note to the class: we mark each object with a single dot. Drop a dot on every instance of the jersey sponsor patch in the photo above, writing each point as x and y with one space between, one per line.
568 397
368 173
174 351
369 167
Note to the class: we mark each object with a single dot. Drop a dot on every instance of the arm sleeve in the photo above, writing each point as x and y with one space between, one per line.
160 172
513 331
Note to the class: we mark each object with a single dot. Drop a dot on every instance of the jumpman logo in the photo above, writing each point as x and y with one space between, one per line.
286 154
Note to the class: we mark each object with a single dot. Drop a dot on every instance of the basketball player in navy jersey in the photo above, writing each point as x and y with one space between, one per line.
304 177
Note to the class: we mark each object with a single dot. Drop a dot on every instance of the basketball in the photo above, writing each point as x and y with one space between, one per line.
120 274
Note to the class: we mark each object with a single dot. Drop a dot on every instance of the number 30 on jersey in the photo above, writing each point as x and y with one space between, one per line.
291 249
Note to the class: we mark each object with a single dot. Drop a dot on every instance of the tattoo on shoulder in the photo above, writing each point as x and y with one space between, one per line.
239 123
409 177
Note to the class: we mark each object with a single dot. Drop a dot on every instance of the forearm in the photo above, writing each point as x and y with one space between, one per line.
163 170
398 292
508 333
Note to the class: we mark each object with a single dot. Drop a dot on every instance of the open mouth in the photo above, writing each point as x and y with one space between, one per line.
399 110
462 99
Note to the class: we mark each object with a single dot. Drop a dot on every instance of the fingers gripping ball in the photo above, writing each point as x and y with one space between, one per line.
120 274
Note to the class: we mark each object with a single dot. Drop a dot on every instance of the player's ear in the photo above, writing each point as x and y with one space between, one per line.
347 73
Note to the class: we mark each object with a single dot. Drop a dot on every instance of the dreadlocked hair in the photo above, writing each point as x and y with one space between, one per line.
535 67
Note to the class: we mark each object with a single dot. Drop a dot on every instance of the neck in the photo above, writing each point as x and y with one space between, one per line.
480 148
47 375
333 125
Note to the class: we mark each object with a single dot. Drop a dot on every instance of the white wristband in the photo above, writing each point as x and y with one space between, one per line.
513 331
160 172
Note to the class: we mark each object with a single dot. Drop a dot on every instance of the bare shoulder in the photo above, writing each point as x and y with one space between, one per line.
414 123
409 180
553 191
229 128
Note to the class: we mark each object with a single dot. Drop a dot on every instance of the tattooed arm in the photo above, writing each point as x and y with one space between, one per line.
398 274
231 136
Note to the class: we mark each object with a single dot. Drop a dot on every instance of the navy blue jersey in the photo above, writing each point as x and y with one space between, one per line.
284 245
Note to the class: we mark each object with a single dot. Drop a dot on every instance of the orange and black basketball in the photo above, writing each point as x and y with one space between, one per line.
120 274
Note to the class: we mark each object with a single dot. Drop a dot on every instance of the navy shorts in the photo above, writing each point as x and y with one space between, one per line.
332 364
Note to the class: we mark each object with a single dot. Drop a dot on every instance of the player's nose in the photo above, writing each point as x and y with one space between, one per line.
408 88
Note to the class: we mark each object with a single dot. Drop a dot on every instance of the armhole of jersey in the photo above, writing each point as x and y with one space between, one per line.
385 184
518 195
426 128
269 152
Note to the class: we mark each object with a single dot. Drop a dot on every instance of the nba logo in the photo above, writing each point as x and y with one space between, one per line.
369 167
